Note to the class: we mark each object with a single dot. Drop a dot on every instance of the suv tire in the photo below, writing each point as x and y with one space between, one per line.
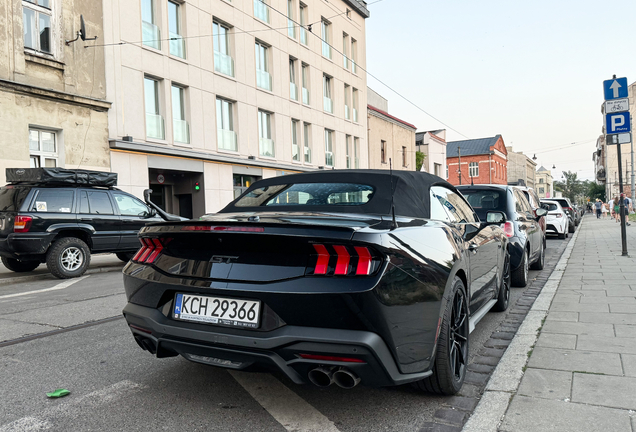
125 256
68 257
19 266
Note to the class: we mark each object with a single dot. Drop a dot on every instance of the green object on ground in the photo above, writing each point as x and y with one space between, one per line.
58 393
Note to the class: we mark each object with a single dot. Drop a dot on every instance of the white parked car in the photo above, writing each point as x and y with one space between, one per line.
557 219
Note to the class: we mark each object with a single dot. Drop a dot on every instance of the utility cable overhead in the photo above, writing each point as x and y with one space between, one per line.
342 13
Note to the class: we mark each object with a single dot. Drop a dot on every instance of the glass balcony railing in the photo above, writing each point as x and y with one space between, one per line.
181 131
356 162
355 115
329 159
307 155
348 161
328 104
150 35
177 45
326 50
354 67
226 139
293 91
291 29
223 63
347 113
266 147
346 62
263 79
295 152
305 96
261 11
303 36
154 126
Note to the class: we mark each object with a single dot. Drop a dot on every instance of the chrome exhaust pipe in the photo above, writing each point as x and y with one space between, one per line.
321 376
345 378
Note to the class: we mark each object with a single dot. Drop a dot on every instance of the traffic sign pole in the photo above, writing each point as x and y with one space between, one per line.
621 207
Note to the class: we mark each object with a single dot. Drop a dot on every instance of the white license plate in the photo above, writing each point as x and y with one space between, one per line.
217 310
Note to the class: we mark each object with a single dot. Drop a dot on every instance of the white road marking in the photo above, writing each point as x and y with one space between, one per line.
71 406
289 409
60 286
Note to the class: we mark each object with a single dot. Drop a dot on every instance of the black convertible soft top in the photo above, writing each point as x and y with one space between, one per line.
411 192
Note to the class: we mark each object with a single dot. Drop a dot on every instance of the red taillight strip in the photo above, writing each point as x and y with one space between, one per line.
147 251
330 358
323 259
158 247
22 224
141 250
222 228
364 261
342 266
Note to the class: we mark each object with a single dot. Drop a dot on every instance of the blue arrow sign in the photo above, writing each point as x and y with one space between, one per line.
618 123
615 88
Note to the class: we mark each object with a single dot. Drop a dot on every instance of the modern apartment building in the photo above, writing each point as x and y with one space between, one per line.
211 95
52 89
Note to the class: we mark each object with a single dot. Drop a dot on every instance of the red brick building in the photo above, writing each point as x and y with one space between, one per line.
483 161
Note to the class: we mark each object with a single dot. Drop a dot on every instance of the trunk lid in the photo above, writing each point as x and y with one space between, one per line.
11 200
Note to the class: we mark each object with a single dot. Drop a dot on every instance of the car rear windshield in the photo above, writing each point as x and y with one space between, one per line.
551 207
563 203
308 194
11 197
484 201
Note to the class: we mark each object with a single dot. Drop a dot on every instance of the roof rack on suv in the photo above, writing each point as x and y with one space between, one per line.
61 176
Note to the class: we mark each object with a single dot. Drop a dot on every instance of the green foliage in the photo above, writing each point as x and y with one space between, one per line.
419 160
572 187
595 191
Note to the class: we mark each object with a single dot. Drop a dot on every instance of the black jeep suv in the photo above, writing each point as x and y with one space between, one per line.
60 217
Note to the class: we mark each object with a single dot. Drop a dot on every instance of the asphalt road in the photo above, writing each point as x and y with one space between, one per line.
116 386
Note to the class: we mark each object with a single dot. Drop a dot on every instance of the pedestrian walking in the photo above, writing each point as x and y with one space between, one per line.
616 209
628 205
597 205
604 209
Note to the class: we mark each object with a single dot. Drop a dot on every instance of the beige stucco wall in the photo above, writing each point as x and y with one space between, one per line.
395 136
521 166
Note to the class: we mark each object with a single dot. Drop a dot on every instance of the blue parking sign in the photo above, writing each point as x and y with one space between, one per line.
615 88
618 123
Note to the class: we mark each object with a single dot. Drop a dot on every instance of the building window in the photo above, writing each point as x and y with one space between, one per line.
266 143
43 149
540 180
354 95
226 136
356 152
154 120
295 146
293 88
150 33
307 141
36 16
181 129
473 169
305 77
348 150
291 29
242 183
328 148
347 99
354 55
263 78
542 190
437 169
303 23
383 152
326 87
223 61
177 43
326 38
261 10
404 159
345 50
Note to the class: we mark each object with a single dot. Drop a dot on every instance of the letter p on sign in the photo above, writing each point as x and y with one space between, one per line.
618 123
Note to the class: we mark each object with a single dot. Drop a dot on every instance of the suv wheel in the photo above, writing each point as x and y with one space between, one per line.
125 256
19 266
68 257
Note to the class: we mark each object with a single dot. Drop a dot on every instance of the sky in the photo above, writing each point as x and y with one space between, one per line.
530 71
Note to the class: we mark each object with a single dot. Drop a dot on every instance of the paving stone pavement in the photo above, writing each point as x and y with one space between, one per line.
581 373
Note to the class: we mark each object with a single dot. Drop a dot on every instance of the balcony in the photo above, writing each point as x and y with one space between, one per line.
356 163
223 63
263 79
346 62
305 96
355 115
261 11
181 131
354 67
226 139
295 152
150 35
303 36
291 29
328 104
347 112
328 158
154 126
348 162
266 147
177 45
293 91
307 155
326 50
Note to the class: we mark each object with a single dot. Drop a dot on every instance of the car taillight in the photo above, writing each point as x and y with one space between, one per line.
150 250
345 261
509 229
22 224
559 215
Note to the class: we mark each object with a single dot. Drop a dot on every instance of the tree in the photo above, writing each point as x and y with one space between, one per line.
596 191
419 160
572 187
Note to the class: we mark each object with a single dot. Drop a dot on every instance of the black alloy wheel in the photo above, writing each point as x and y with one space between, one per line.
540 262
451 360
504 290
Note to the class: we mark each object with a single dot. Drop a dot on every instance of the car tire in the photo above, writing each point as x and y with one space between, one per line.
19 266
520 275
451 361
563 235
125 256
571 228
503 299
68 257
540 262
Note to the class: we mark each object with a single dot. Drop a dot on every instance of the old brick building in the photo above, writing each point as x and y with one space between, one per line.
483 161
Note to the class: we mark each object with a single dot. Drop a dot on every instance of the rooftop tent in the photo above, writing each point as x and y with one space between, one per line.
61 176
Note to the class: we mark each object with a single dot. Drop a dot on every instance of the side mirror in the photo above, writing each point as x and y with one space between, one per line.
495 217
540 212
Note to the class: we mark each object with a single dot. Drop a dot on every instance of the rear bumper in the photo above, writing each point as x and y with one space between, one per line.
23 245
277 349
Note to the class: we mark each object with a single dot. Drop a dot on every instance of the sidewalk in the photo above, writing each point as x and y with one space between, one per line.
580 374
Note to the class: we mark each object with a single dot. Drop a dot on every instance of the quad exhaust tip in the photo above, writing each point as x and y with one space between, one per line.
324 376
321 376
345 378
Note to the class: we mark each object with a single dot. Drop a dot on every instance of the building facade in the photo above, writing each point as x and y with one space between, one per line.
545 183
483 161
211 96
52 93
390 139
433 145
521 169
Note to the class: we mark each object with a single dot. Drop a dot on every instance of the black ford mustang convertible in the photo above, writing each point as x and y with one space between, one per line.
331 277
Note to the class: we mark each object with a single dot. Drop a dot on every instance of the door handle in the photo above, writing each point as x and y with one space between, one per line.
522 226
473 247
